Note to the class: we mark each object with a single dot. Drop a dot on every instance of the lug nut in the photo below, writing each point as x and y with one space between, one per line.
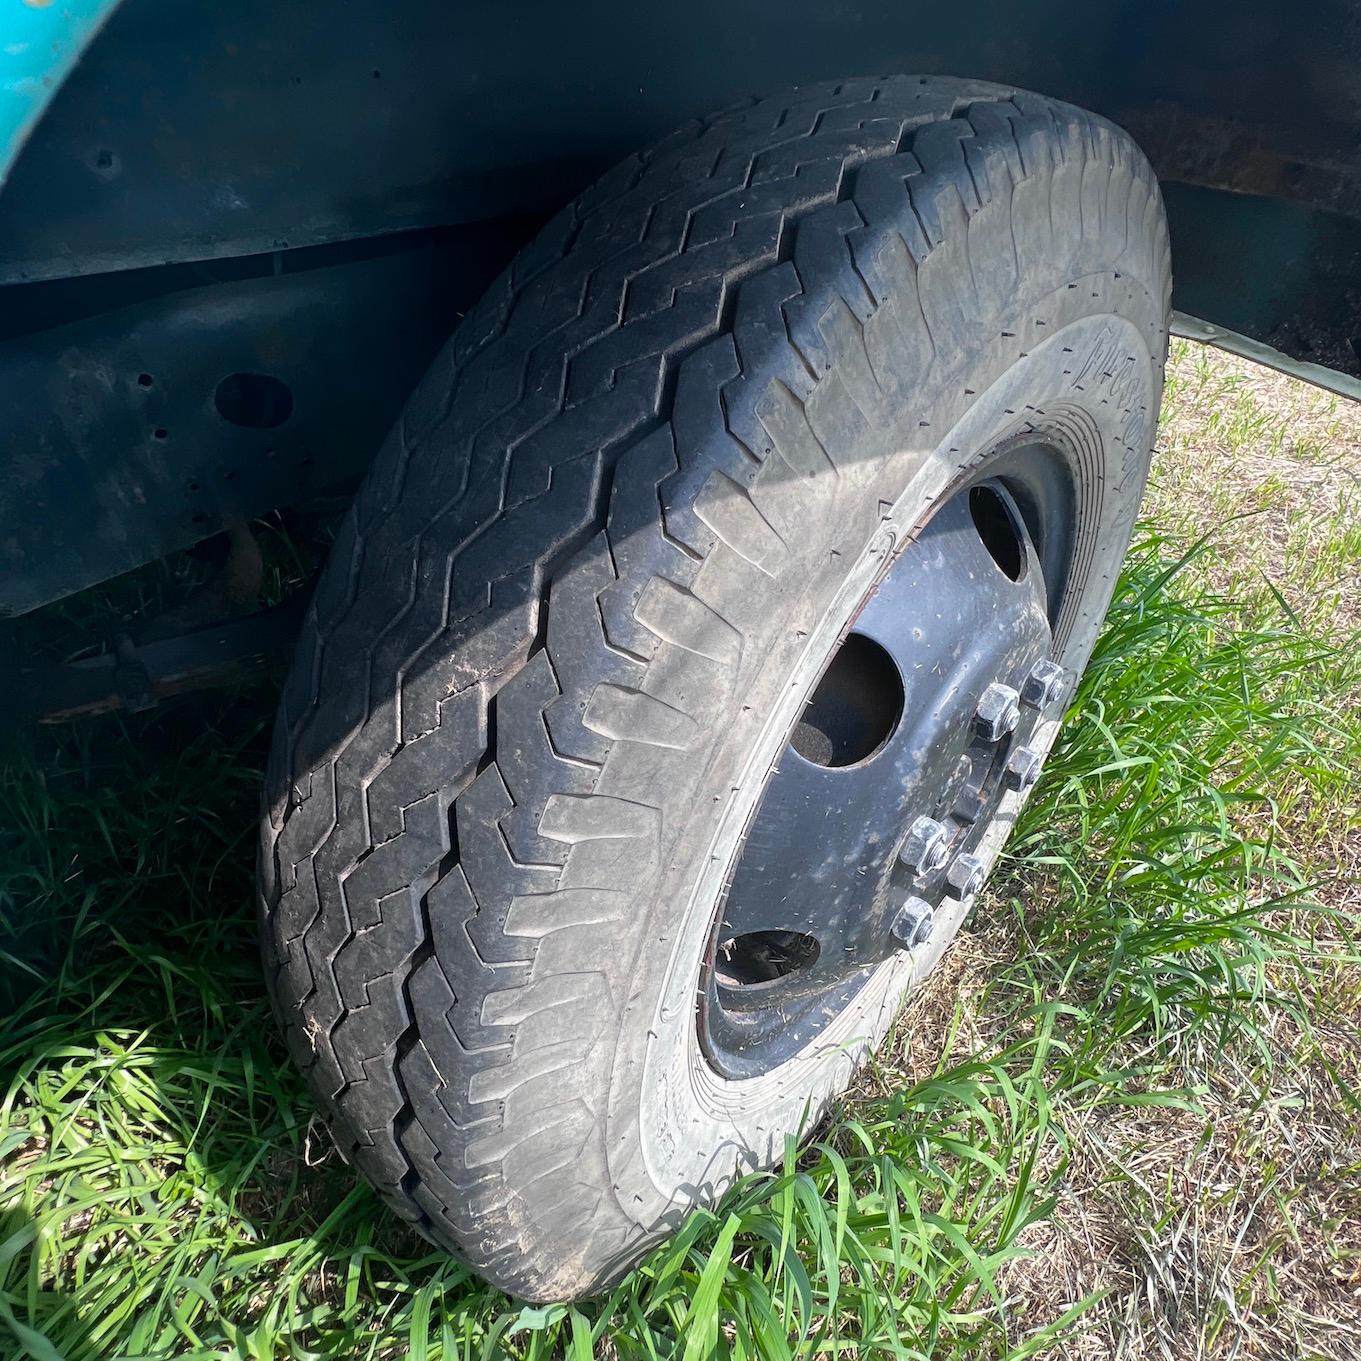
1023 769
964 877
1045 683
999 711
925 847
914 922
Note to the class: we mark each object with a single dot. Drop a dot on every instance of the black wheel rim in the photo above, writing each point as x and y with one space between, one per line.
869 820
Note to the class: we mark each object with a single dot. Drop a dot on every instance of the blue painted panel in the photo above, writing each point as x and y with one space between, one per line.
40 42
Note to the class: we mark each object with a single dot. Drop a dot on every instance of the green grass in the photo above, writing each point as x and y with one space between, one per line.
1158 937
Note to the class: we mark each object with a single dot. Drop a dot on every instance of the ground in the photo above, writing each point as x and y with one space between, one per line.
1122 1120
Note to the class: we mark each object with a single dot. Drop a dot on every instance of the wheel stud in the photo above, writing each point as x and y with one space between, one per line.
1045 683
925 848
1023 769
914 922
964 877
999 711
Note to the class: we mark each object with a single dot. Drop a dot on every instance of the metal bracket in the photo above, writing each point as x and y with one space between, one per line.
137 677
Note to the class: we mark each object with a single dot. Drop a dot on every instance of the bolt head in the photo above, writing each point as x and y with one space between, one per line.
999 711
964 877
913 924
1046 683
1023 769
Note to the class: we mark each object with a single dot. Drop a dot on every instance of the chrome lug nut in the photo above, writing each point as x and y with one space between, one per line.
964 877
1045 683
925 848
1023 769
913 925
999 711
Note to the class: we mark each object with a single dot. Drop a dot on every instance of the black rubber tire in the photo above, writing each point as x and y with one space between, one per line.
574 588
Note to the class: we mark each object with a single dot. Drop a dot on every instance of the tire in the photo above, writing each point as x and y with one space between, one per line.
589 583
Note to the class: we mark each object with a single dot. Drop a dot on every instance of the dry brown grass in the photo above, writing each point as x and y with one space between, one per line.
1270 467
1231 1230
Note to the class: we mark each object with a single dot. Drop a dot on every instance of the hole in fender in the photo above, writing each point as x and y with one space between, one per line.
855 708
255 401
997 527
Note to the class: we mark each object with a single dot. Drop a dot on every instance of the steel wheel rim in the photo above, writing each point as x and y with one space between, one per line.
890 777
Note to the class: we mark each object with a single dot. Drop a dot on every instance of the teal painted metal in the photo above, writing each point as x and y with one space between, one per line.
40 43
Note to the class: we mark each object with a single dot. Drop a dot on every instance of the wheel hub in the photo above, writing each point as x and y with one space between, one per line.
918 725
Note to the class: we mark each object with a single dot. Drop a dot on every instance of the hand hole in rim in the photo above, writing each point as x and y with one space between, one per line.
763 957
997 527
855 708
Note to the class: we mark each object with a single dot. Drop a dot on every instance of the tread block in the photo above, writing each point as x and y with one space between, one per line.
596 817
561 1062
580 651
628 715
519 1141
637 541
791 437
521 708
511 1006
540 914
493 876
676 616
436 762
729 511
844 335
